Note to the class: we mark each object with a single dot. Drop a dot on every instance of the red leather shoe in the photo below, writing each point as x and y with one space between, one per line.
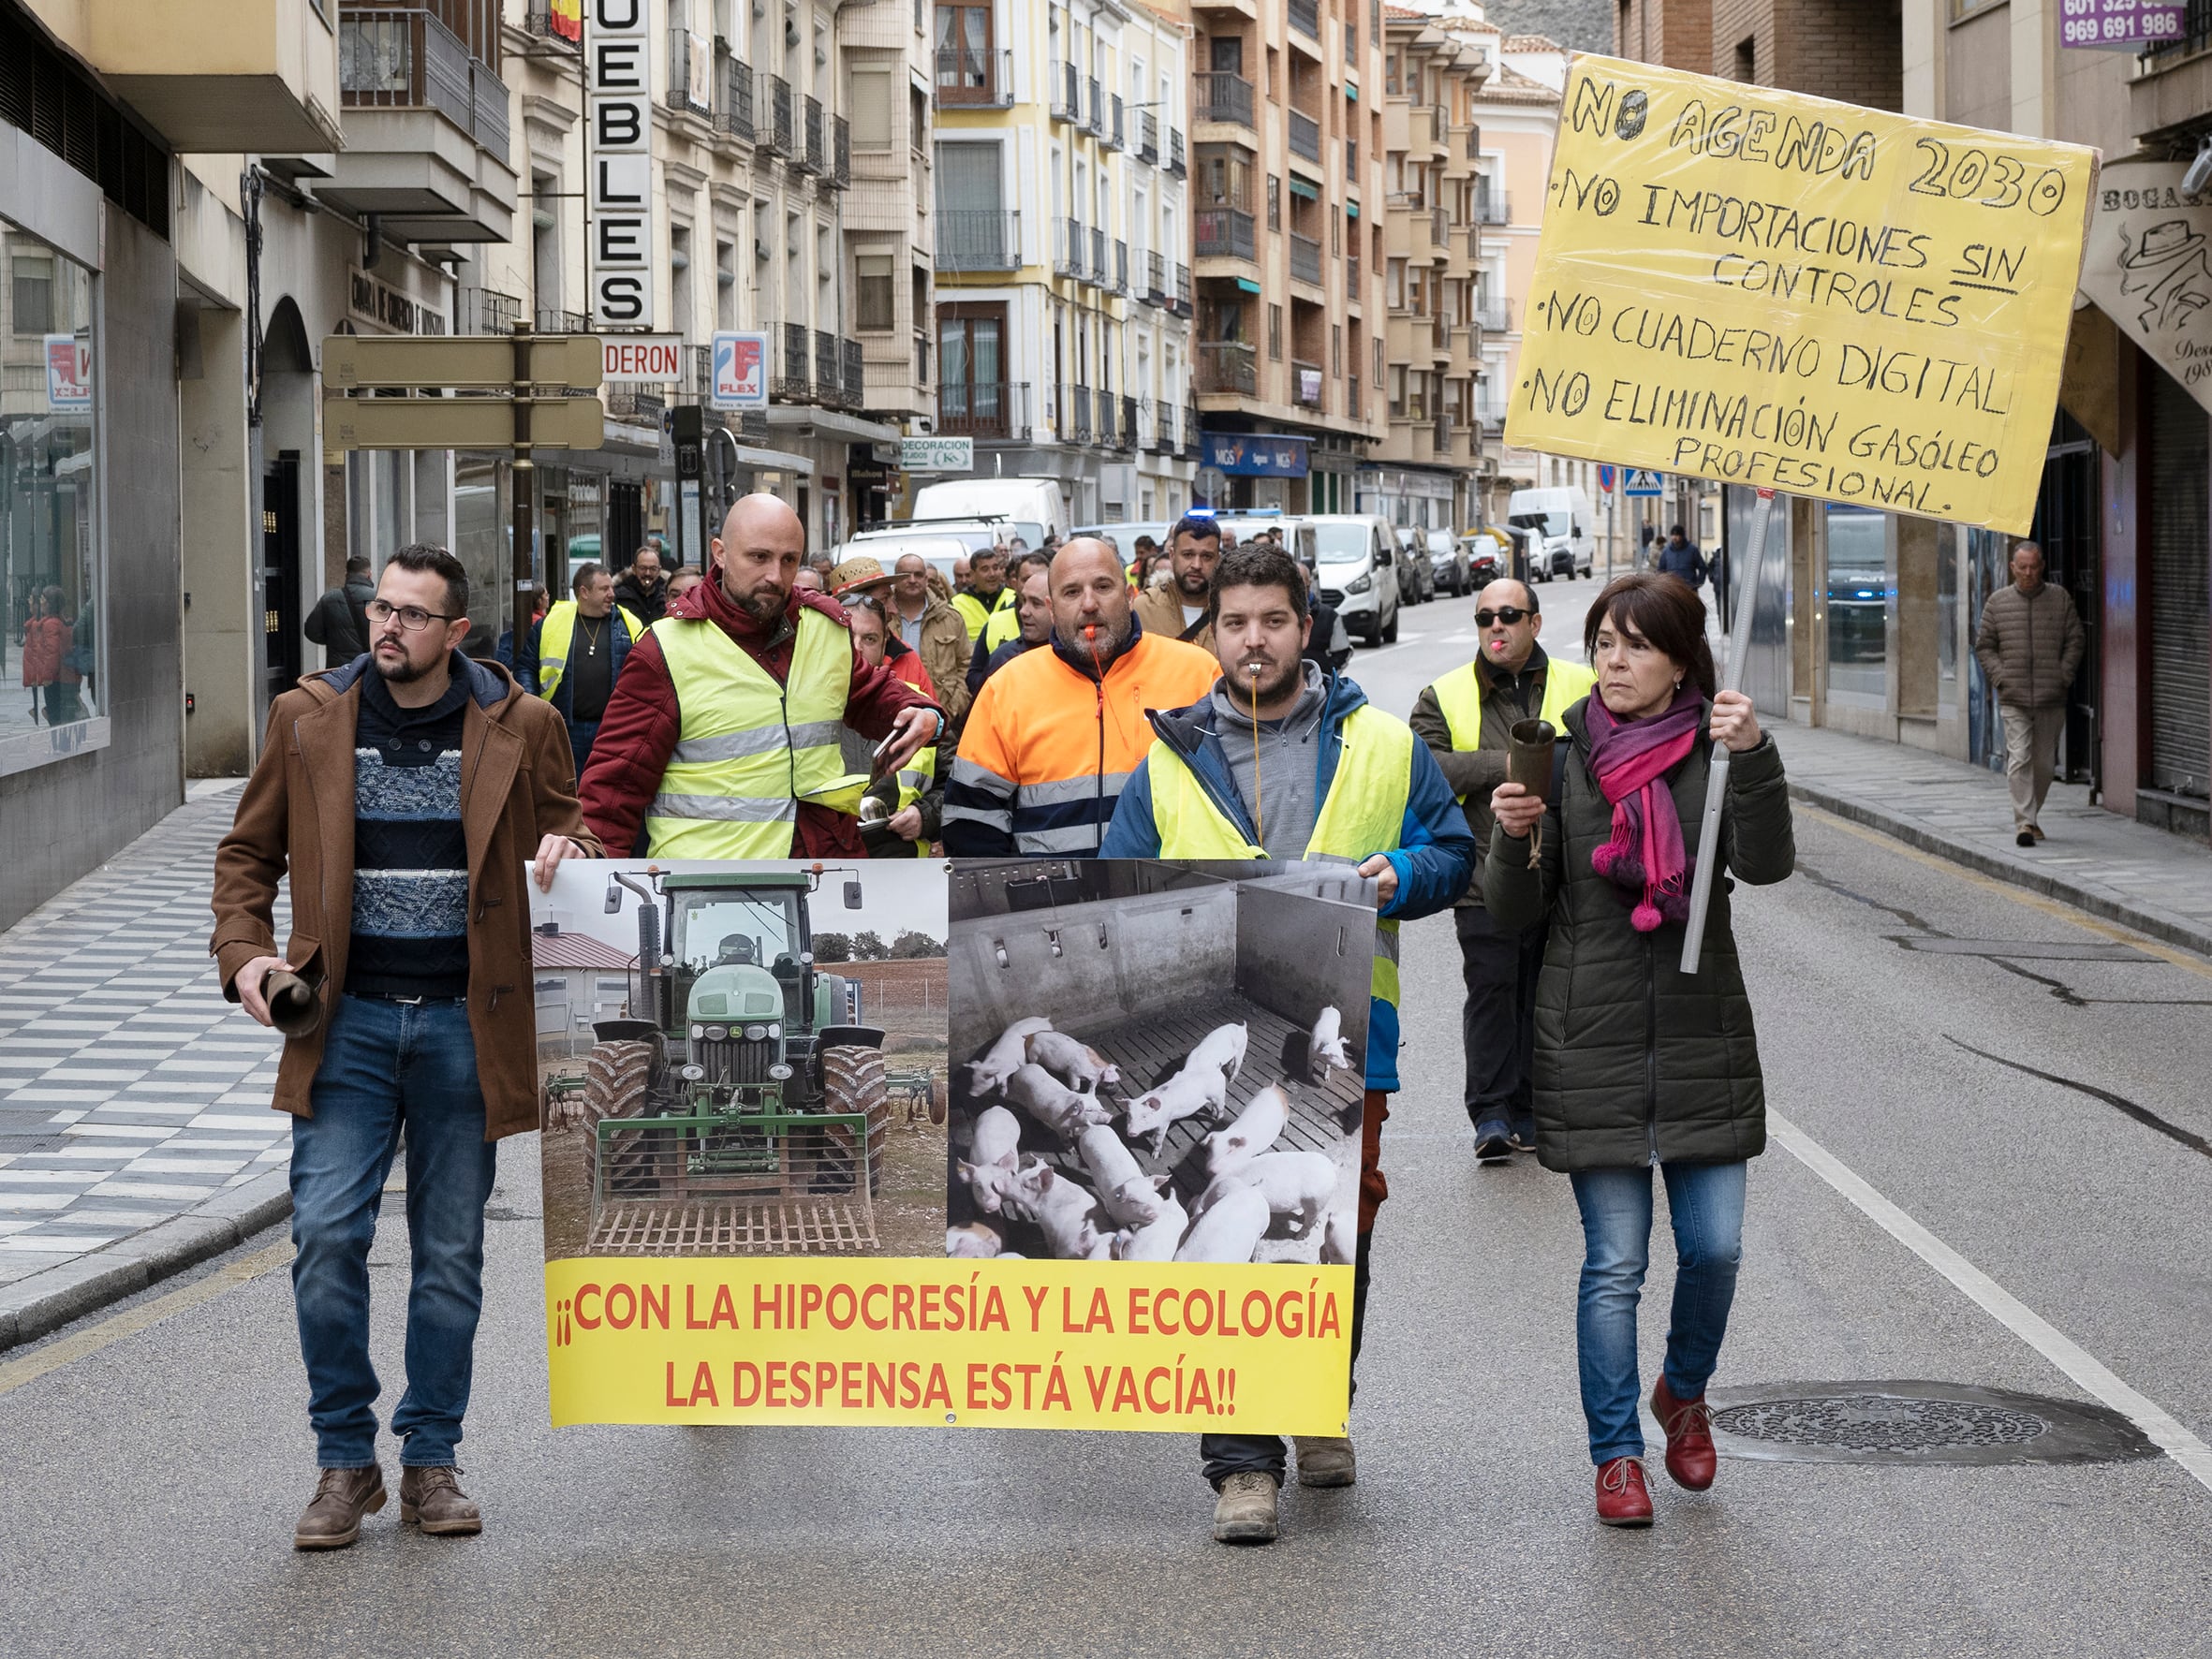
1689 1427
1623 1500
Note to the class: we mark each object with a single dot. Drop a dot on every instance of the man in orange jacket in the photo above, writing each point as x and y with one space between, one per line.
1055 734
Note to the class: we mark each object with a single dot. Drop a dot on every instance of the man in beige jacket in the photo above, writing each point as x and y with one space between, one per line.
2029 646
1183 609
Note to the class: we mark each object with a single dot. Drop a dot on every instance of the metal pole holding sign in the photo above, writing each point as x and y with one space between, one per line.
1745 578
525 488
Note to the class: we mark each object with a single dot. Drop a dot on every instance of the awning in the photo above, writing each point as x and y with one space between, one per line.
1301 187
1249 285
1351 207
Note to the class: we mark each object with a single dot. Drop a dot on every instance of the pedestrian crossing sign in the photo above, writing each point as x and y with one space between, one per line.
1636 480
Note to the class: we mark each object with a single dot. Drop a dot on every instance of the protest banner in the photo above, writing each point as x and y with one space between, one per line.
1781 291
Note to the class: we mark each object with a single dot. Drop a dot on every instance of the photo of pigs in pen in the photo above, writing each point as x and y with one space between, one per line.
1155 1061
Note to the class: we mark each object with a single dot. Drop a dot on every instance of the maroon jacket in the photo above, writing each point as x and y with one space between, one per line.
637 733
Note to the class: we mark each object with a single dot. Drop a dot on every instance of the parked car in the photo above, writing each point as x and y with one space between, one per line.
1416 586
1559 522
1447 563
1356 563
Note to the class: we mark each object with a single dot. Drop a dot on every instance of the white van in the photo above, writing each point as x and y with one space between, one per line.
887 547
1033 509
1559 524
1355 557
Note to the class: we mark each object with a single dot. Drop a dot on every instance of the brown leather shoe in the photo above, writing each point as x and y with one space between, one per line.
434 1501
331 1519
1623 1500
1688 1427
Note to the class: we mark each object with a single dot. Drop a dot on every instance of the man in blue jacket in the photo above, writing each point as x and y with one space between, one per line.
572 656
1282 760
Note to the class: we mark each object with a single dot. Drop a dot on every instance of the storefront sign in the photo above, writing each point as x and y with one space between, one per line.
2147 267
2129 25
641 359
1246 455
741 370
619 88
1753 286
937 455
68 372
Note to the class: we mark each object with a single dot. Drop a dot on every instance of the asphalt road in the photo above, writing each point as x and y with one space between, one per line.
151 1481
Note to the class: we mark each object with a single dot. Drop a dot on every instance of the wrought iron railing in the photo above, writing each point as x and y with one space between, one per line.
974 79
980 239
1306 259
985 410
775 93
1227 366
1222 233
1305 135
1223 97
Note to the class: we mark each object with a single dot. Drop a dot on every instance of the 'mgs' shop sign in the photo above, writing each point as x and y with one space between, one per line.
1785 292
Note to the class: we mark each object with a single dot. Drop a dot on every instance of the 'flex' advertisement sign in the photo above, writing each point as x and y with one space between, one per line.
68 372
741 370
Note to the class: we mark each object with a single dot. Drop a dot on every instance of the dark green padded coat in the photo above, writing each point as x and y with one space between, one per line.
1635 1061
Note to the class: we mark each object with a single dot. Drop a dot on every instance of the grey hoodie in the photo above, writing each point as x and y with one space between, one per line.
1288 757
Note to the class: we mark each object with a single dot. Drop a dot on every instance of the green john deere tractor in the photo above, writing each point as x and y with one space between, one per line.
743 1102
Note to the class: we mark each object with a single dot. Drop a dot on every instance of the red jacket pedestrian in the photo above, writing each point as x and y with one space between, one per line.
46 646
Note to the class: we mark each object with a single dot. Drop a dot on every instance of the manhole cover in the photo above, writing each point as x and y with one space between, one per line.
1916 1422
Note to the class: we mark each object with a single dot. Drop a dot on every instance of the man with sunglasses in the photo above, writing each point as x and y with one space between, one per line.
1465 718
403 793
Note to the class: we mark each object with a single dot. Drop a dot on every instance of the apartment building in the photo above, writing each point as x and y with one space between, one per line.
1063 287
1288 249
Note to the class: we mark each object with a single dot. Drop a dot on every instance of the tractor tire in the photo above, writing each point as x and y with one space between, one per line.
853 1083
614 1083
936 1101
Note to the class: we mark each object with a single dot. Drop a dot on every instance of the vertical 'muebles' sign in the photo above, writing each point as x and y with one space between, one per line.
618 84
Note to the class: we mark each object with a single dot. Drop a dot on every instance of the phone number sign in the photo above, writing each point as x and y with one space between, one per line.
2130 26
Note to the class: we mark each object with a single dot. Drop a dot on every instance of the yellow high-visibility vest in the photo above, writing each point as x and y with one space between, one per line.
557 638
975 615
748 750
1459 697
1004 625
1364 813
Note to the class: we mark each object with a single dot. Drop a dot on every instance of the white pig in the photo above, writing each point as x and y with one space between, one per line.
1052 1103
1325 1046
1075 1063
991 1154
1341 1245
1157 1240
974 1241
988 1075
1202 1085
1223 1046
1075 1227
1230 1230
1298 1184
1130 1197
1252 1134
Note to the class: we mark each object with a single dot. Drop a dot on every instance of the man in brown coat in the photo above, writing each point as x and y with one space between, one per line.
2029 645
402 795
1183 609
926 623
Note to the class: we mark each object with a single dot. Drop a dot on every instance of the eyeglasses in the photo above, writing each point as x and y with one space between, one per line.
411 617
1509 614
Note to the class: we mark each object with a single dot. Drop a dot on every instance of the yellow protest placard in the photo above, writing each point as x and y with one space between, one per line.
1782 291
1003 1343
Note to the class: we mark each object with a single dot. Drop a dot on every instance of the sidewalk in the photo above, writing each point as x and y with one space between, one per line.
136 1136
2111 866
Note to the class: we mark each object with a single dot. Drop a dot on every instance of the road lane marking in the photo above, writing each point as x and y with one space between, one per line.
2031 1327
2056 909
14 1373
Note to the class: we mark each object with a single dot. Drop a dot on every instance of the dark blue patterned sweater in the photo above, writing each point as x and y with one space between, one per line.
410 856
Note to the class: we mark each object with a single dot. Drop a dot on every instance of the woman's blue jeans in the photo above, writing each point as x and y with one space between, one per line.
1707 1202
386 1066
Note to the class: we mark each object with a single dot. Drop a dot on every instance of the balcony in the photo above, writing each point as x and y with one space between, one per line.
975 80
1193 435
1220 95
991 410
792 382
1351 278
1474 242
1470 143
1096 271
1095 109
1163 430
775 93
1121 267
553 320
1066 96
1222 233
1147 136
810 156
1306 259
1069 247
1128 423
1353 409
1177 167
1115 134
979 239
563 34
1439 228
1351 163
735 117
828 384
1439 335
840 153
1442 437
1227 366
1156 279
426 131
1183 305
691 80
485 311
262 79
1494 316
1493 206
1305 135
1075 428
1306 385
1305 17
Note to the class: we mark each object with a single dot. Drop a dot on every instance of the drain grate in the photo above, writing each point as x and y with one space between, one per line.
1917 1423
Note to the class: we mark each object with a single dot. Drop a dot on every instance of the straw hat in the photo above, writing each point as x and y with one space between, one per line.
857 573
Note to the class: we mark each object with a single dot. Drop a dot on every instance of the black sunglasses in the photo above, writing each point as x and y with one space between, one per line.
1509 614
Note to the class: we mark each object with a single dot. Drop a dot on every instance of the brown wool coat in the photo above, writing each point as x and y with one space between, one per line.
518 784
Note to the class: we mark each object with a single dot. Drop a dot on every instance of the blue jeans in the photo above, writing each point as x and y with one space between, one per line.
386 1066
1707 1202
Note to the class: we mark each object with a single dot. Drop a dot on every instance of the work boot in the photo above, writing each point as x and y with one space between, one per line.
1244 1511
1687 1425
432 1500
1623 1500
1492 1146
1324 1459
331 1519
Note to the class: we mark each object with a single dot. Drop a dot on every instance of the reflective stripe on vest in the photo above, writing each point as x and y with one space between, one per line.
1364 813
748 750
1459 699
557 638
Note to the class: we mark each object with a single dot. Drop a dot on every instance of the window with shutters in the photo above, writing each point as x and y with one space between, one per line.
875 304
869 101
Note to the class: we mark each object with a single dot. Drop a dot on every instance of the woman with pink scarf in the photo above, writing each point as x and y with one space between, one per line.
1638 1065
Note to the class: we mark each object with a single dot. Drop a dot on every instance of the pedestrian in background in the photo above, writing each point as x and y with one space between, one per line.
1680 557
1466 718
46 670
913 793
924 619
336 622
408 919
2029 646
642 590
985 591
1639 1064
574 654
1009 633
1180 609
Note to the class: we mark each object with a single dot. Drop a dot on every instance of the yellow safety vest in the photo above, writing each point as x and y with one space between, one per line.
972 612
748 750
1459 696
1004 625
1364 813
557 638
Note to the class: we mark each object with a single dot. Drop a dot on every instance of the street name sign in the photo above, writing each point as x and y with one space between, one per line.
460 424
471 360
